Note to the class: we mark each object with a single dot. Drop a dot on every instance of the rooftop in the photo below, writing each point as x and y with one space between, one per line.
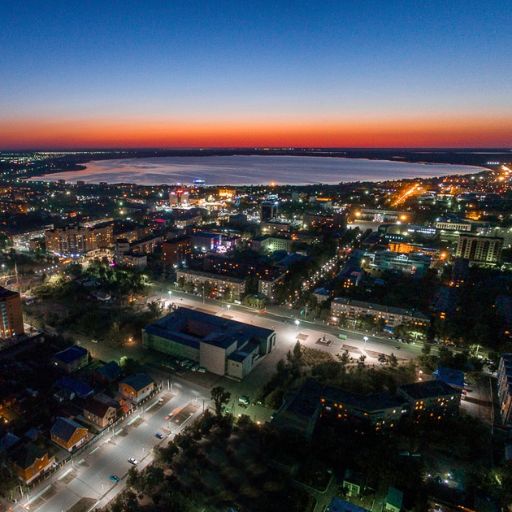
70 354
64 428
192 327
138 381
427 389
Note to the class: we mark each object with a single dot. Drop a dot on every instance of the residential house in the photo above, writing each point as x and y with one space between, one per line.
68 434
30 461
100 413
71 359
137 387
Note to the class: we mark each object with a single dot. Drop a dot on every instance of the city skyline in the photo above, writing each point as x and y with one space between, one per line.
363 74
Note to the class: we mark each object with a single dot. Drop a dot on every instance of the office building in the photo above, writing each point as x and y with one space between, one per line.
221 346
268 210
11 316
479 249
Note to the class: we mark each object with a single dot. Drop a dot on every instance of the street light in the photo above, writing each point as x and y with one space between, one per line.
365 339
297 322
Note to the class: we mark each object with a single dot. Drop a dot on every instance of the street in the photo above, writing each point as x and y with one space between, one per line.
87 477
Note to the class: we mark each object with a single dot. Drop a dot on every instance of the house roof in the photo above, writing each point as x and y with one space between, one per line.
109 371
64 428
450 376
80 388
96 407
138 381
70 354
26 454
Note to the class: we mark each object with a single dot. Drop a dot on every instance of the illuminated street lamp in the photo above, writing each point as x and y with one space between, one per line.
365 339
297 322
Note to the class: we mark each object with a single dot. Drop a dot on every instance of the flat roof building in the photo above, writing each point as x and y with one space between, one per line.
222 346
11 316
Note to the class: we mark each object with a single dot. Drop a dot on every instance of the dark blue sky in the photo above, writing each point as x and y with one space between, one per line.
259 62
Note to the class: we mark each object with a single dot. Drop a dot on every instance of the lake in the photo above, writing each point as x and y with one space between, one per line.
252 170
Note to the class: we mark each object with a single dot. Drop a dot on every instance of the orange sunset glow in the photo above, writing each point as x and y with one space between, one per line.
434 131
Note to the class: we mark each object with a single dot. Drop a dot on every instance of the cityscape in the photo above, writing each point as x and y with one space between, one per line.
244 267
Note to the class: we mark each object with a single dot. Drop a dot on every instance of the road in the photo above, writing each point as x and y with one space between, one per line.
87 479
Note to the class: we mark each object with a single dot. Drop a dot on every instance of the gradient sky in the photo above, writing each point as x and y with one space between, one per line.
319 73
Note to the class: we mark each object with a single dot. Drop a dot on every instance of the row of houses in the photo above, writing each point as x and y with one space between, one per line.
82 408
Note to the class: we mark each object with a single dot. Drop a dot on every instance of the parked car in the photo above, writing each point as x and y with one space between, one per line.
159 435
114 478
133 461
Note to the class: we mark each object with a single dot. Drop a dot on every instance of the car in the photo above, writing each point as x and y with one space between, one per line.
160 400
244 400
201 369
114 478
133 461
158 435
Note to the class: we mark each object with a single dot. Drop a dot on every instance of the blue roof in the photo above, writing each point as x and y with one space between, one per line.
450 376
80 388
70 354
64 428
110 371
138 381
339 505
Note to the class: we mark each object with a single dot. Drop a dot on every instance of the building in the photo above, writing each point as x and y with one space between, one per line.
275 227
380 411
177 250
300 410
412 263
137 387
268 210
269 286
68 434
75 240
11 316
340 505
205 242
218 285
30 461
99 413
431 399
394 500
353 309
71 359
221 346
454 225
107 373
505 388
271 244
479 249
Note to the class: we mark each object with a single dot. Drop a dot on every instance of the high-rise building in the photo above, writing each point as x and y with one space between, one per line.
75 239
11 316
479 249
268 210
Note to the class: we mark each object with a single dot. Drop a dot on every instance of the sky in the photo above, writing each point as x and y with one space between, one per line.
345 73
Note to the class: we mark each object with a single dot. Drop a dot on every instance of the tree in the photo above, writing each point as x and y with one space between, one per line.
220 398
